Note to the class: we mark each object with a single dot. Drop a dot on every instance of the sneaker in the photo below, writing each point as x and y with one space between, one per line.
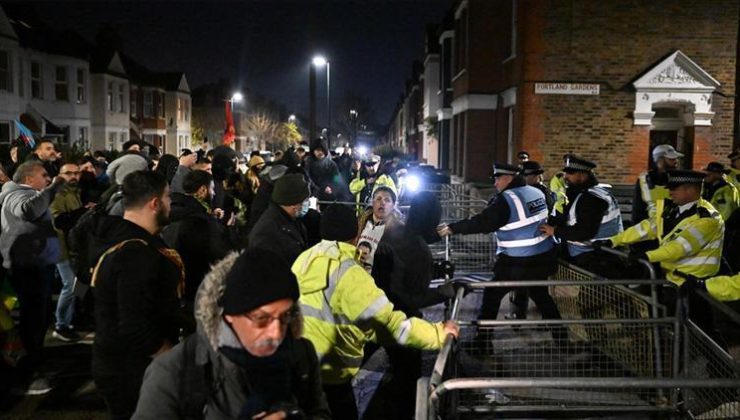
65 334
38 385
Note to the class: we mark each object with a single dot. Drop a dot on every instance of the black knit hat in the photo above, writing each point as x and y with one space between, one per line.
290 189
338 223
258 277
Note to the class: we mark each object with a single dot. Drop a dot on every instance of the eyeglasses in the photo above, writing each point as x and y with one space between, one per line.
264 320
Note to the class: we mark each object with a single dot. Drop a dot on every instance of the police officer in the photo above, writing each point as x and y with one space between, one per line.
532 172
523 253
592 213
721 194
366 178
650 186
689 230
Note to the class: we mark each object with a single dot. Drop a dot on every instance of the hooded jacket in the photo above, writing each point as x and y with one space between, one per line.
136 299
230 385
343 309
198 237
28 236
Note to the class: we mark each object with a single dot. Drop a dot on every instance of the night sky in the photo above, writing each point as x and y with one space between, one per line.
267 45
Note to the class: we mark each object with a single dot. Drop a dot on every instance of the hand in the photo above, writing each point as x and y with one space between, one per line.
602 243
447 290
691 283
90 205
444 230
219 213
188 160
547 230
451 327
327 189
278 415
232 220
443 269
58 181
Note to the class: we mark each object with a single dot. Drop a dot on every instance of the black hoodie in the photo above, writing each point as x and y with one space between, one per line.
136 302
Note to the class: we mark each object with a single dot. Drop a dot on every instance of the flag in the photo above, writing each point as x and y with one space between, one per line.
230 132
25 134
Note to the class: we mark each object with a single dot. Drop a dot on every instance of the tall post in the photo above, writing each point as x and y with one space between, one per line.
312 102
328 105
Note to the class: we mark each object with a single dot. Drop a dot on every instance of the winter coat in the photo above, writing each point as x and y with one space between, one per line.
229 383
198 237
136 300
277 232
322 173
27 236
343 309
66 208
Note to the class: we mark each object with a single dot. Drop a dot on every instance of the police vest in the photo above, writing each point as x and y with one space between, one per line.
520 237
611 223
651 193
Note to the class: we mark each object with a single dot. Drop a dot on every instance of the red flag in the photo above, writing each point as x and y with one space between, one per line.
230 132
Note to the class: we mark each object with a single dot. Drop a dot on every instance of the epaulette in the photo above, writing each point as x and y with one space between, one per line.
704 212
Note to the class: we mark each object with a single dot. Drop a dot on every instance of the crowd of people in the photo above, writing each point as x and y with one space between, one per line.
216 287
213 283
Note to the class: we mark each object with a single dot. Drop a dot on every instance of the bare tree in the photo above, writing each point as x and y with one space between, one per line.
262 128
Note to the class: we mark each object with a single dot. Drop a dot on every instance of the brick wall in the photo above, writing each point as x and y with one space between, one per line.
613 42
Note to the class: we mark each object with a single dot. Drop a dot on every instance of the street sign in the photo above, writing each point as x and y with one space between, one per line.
566 88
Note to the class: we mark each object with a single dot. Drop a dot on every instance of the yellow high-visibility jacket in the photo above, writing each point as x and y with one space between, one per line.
725 200
557 186
724 288
651 196
734 177
693 246
343 309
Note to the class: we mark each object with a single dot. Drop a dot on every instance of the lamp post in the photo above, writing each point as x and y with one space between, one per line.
320 61
354 115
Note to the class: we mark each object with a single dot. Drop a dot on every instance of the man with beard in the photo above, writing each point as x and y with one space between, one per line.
66 209
136 283
46 153
650 186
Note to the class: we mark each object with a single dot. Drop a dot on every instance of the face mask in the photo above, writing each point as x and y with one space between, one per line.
304 208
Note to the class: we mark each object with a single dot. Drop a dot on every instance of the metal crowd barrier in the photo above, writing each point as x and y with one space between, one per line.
618 358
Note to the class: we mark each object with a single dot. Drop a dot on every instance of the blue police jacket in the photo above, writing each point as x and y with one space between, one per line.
520 237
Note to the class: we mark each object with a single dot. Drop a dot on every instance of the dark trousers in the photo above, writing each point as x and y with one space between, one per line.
341 399
406 370
519 269
33 284
119 389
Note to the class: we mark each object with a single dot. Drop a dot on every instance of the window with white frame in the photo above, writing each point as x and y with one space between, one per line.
109 97
81 97
112 141
61 92
186 108
180 116
124 137
160 105
121 98
6 76
132 100
148 104
6 132
37 80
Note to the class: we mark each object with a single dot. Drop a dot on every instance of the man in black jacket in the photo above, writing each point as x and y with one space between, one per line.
279 229
194 232
135 284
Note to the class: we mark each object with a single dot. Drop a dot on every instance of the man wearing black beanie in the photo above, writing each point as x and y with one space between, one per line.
247 357
280 229
344 309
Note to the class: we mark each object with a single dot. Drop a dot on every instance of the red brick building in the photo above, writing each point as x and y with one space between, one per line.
603 79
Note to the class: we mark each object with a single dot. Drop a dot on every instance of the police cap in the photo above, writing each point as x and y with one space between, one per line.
682 177
575 164
532 167
716 167
504 169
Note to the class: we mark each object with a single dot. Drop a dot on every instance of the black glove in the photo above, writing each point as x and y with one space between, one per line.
447 290
691 284
457 284
443 268
636 256
602 243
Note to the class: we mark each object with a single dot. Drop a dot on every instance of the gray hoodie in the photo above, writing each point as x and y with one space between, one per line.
27 236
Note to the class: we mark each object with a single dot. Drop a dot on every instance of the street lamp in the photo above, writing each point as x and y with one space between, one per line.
291 118
321 61
353 116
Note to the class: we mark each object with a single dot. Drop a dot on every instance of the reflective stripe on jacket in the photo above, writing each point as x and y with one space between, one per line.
611 222
652 193
343 309
693 246
520 237
724 288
